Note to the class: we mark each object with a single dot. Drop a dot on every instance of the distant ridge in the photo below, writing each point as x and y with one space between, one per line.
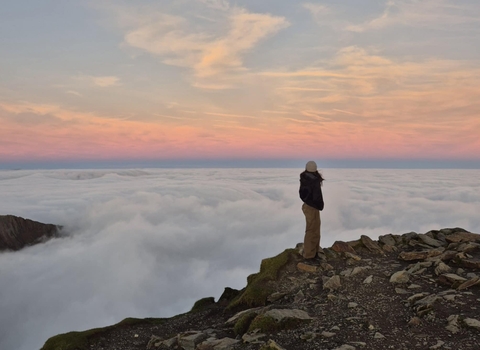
17 232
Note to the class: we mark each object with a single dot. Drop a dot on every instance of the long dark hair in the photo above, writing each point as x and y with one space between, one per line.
321 177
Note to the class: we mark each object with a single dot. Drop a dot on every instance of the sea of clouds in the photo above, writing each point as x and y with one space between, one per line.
149 243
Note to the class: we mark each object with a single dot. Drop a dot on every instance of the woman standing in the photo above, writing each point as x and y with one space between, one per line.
311 194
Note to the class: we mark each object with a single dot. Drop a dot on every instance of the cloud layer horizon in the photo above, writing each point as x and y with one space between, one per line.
149 243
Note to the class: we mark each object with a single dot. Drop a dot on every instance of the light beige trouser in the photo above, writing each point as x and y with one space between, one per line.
311 242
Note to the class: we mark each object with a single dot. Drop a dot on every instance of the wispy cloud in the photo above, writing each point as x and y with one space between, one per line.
362 90
72 92
100 81
425 13
209 53
105 81
223 5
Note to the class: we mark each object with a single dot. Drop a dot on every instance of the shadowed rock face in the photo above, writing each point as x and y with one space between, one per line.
16 232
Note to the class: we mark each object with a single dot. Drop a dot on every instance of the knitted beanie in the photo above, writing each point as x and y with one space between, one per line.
311 166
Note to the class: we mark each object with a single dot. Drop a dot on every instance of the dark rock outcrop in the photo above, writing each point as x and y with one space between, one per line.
17 232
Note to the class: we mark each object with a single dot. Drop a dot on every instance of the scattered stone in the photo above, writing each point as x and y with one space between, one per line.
473 323
299 297
378 335
450 297
416 297
190 340
218 344
352 256
359 269
442 268
333 283
401 291
170 342
414 321
453 325
253 338
368 280
414 286
400 277
272 345
326 267
345 347
326 334
346 272
359 343
275 296
438 345
352 305
308 336
154 342
427 301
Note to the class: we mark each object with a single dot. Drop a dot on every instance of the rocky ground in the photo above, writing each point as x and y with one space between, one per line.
411 291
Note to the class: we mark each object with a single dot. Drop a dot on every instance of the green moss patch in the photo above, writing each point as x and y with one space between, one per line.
260 285
242 325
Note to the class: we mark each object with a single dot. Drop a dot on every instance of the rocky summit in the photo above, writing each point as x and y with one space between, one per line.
410 291
17 232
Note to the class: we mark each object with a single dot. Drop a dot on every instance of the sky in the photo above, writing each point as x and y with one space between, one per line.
149 243
98 81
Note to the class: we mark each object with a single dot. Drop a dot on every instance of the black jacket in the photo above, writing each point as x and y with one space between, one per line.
310 189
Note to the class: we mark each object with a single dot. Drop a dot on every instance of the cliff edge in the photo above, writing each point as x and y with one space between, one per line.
410 291
17 232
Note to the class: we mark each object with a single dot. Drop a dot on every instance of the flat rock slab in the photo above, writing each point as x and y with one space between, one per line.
421 255
190 341
473 323
400 277
307 268
470 263
218 344
470 283
371 245
430 241
231 321
342 247
281 314
462 237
